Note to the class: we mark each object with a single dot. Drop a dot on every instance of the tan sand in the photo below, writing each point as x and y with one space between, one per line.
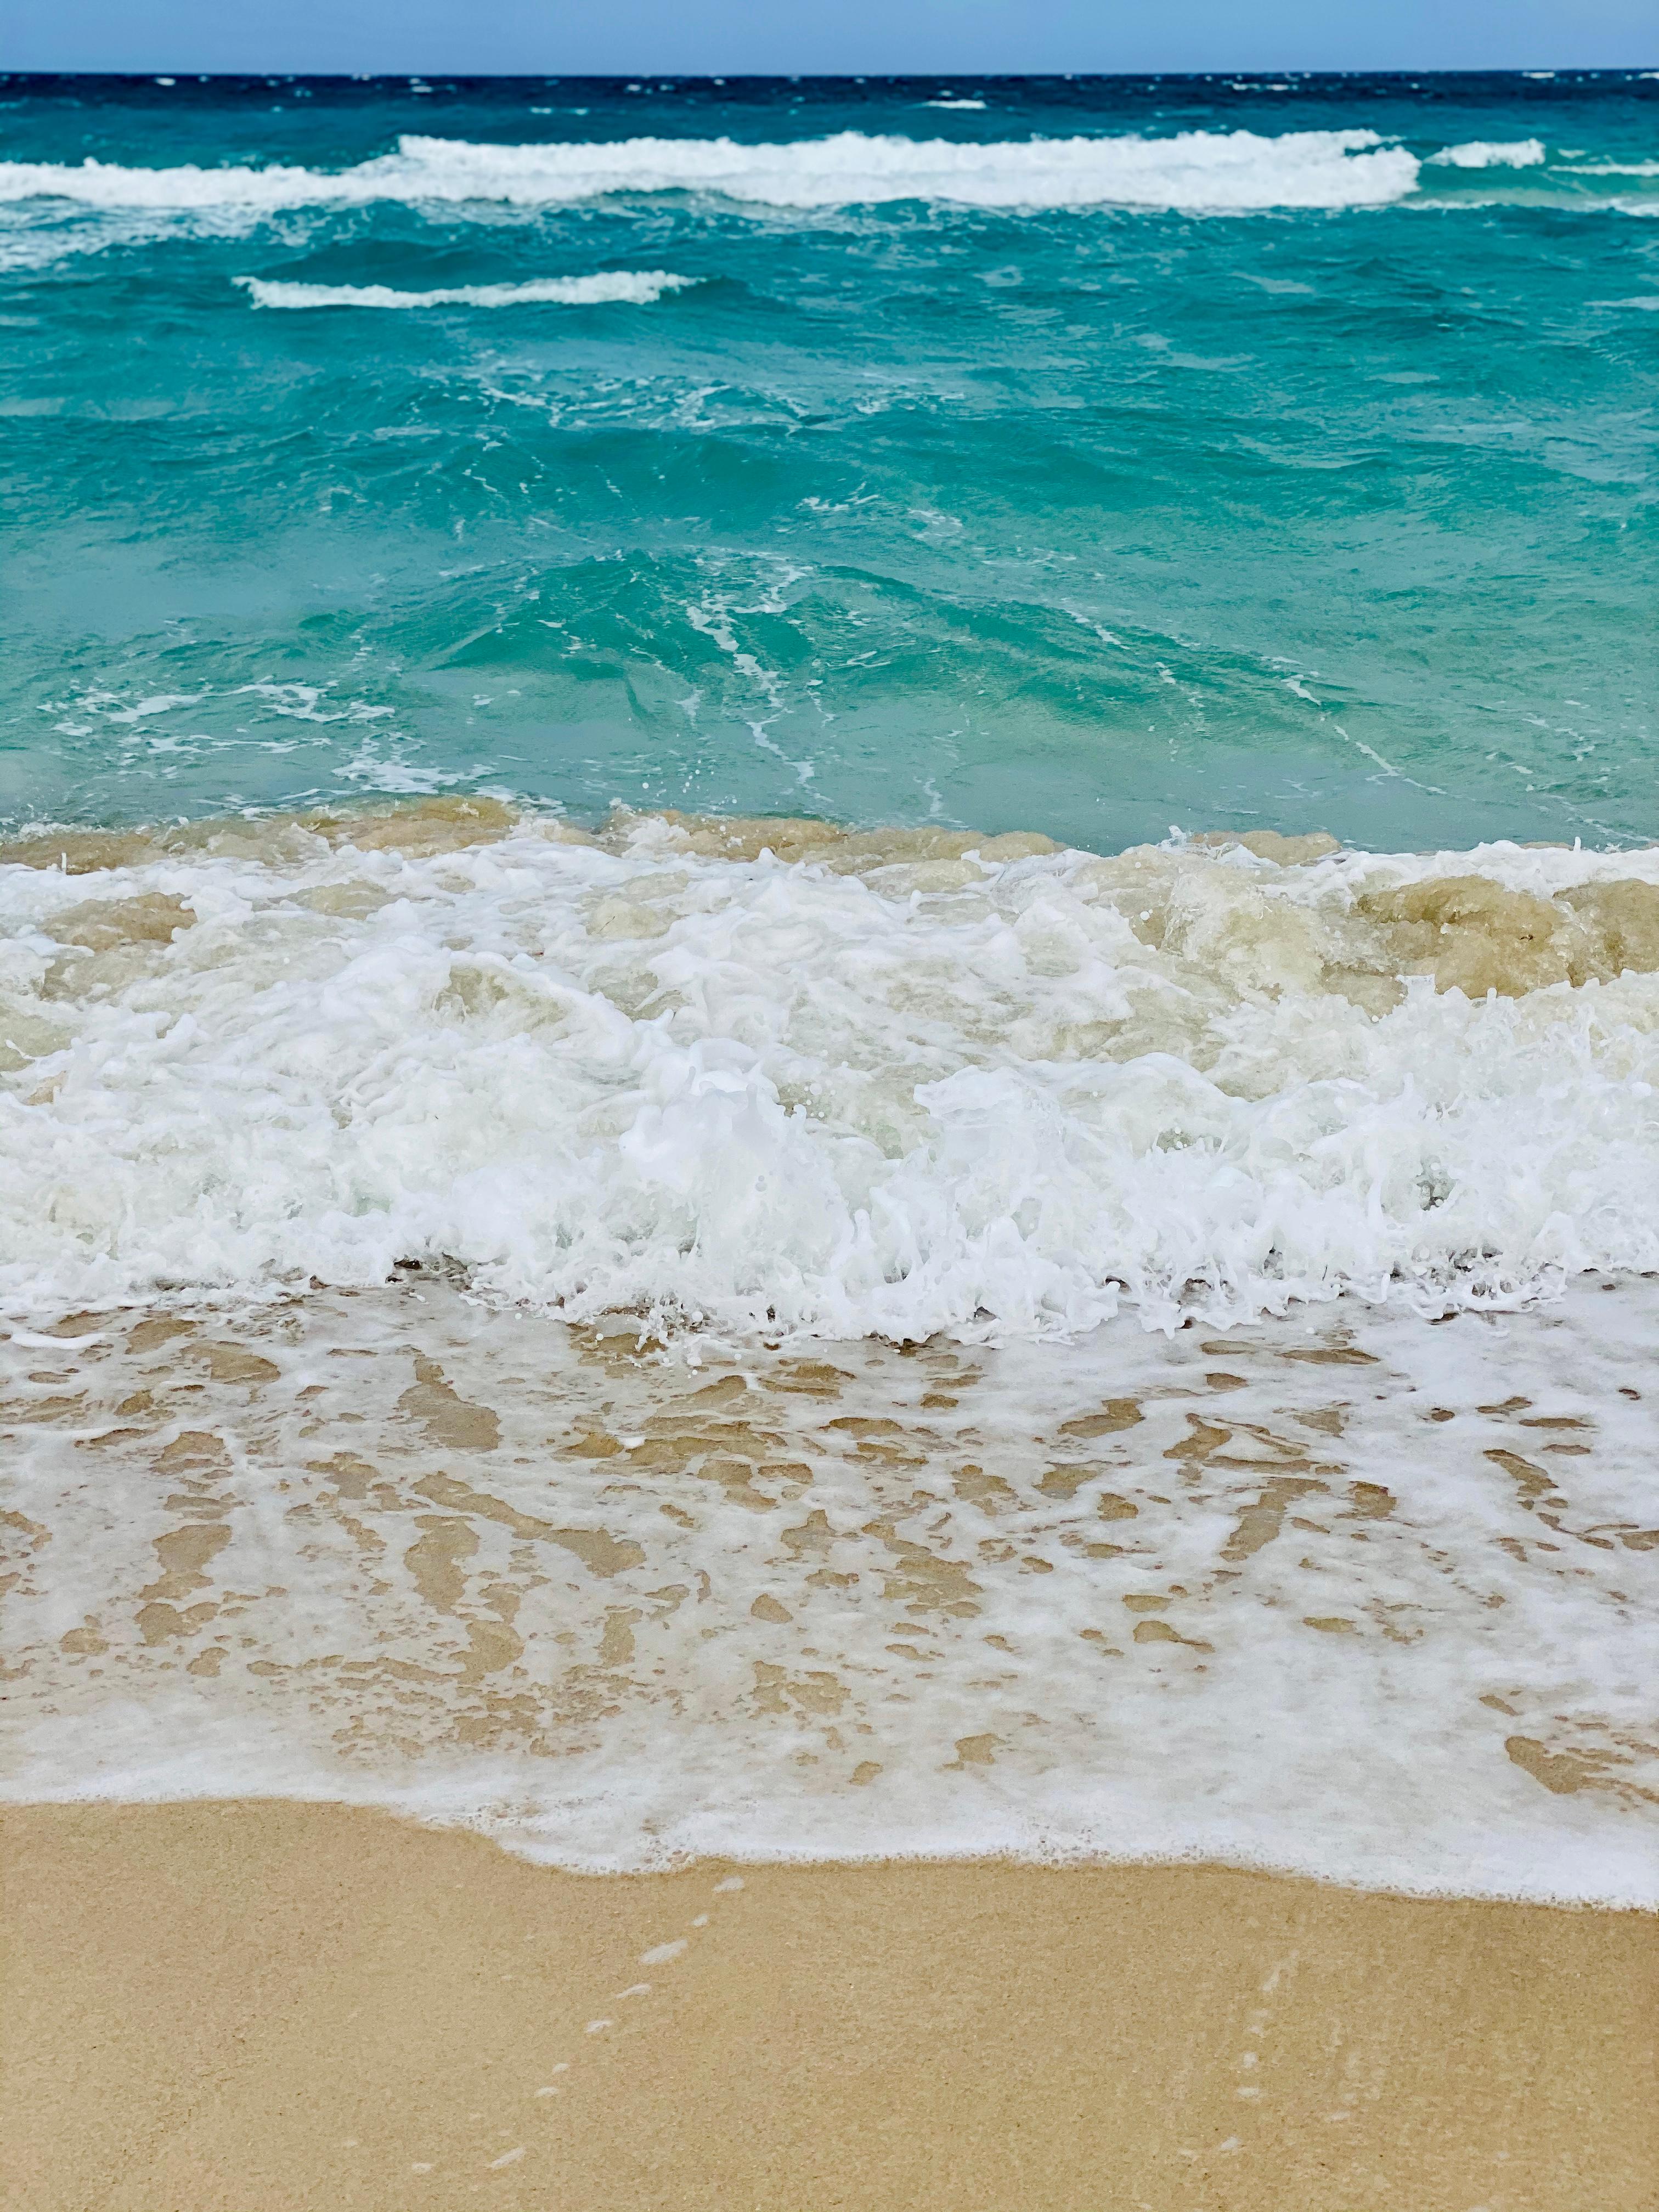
275 2006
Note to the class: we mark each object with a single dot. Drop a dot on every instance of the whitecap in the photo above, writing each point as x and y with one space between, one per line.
1491 154
630 287
1224 171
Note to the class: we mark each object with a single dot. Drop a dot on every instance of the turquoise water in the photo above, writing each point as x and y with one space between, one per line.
1036 455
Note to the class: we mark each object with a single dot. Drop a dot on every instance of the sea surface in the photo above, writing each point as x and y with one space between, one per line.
1082 456
830 962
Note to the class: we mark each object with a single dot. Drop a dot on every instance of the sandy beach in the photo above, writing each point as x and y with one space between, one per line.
271 2005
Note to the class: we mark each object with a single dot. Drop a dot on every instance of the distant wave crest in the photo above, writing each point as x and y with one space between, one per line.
630 287
1488 154
1227 171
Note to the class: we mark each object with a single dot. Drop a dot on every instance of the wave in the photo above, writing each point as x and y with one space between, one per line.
633 286
780 1078
1231 171
1487 154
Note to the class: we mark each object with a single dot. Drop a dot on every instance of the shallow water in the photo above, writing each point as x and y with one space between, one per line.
1357 1596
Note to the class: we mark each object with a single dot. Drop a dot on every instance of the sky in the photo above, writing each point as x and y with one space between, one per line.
828 37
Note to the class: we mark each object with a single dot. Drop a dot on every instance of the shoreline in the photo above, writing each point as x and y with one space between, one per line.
1359 1603
250 2006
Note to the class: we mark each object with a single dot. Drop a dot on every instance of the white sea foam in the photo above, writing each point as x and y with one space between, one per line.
1224 171
1492 154
631 286
886 1087
1370 1600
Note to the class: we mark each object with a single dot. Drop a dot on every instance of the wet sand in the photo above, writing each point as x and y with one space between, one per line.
272 2005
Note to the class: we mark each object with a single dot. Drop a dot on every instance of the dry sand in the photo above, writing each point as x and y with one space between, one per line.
273 2005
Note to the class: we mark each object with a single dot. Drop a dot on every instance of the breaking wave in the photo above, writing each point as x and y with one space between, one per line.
630 287
778 1078
1224 170
1486 154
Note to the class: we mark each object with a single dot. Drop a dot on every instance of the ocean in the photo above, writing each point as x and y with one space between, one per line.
829 961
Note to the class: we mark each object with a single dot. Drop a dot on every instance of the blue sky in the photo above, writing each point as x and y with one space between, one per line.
733 37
